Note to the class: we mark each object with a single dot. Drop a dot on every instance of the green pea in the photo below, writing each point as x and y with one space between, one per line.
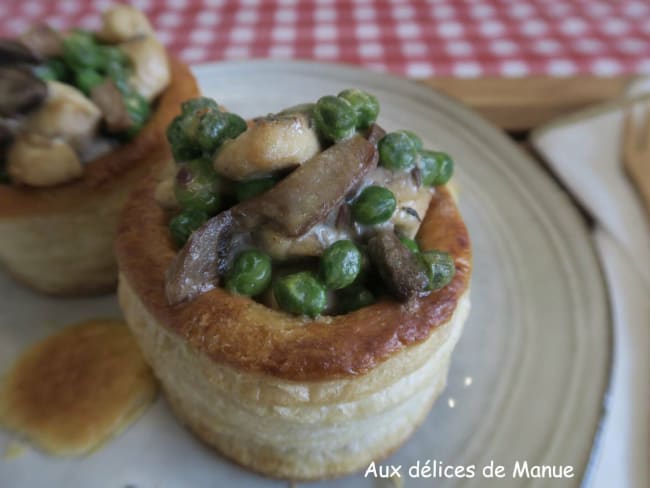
201 129
374 205
215 127
138 109
415 139
335 118
53 69
196 186
436 167
300 293
81 51
411 244
249 189
192 105
353 298
119 73
428 166
445 169
235 125
182 145
397 151
186 222
209 131
111 55
87 79
365 106
340 264
250 273
440 268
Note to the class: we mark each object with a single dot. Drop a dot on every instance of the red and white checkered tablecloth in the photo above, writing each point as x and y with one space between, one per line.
464 38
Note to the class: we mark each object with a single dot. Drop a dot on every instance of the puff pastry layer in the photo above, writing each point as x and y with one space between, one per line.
282 395
59 240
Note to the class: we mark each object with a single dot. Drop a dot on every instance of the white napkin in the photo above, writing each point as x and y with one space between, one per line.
583 151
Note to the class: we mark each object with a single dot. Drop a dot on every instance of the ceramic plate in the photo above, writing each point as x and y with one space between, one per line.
529 375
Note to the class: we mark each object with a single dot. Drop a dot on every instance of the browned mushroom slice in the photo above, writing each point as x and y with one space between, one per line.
13 52
43 41
294 205
308 194
401 270
195 269
110 101
20 91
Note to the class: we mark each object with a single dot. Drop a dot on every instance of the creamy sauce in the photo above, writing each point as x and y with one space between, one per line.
71 392
408 195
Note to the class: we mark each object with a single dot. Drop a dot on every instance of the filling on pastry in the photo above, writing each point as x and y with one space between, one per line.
67 98
313 210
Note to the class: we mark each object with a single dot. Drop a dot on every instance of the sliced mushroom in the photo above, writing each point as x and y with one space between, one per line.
110 101
270 144
36 160
151 73
66 113
401 270
14 52
20 91
121 23
197 268
43 41
294 205
312 191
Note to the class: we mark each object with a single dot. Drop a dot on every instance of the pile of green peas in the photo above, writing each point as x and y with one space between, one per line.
194 136
403 151
202 127
85 64
304 292
339 117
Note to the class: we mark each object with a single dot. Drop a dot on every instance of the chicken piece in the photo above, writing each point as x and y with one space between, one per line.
36 160
412 199
270 144
66 113
151 73
122 23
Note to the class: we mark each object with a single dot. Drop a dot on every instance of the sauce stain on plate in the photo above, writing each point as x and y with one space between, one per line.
71 392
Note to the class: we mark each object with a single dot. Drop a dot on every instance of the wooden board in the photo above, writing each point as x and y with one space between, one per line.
519 104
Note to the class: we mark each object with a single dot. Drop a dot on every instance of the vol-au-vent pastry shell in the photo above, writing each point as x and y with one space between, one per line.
58 239
284 395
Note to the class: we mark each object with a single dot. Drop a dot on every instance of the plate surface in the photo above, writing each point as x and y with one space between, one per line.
528 377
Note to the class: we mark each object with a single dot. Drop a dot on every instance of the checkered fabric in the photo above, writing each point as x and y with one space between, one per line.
464 38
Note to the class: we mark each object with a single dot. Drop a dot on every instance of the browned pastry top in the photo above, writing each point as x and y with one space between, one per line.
100 175
240 332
